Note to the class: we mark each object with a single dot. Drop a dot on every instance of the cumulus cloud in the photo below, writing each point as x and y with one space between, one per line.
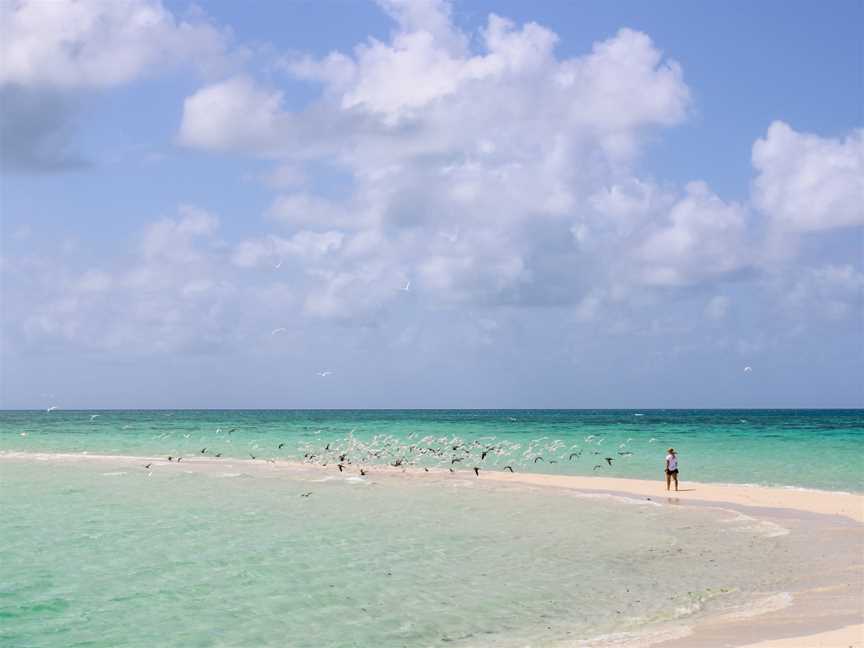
96 44
170 294
831 292
53 53
808 183
469 183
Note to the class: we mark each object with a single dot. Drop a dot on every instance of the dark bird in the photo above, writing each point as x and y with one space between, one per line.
451 470
203 450
397 463
510 468
148 466
170 458
218 454
483 455
452 461
305 494
597 466
575 454
476 471
339 466
281 445
362 473
624 454
608 460
342 457
232 430
179 459
327 447
536 459
251 455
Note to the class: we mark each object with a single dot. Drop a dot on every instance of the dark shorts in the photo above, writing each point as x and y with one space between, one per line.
671 472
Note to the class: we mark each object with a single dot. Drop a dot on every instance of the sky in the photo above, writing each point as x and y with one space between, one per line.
465 204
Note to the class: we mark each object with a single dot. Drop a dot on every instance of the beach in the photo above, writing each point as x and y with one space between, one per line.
823 600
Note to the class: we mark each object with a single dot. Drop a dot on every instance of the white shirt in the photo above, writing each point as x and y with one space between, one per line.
672 461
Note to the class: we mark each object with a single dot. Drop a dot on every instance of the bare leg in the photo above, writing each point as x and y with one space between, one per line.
668 477
675 477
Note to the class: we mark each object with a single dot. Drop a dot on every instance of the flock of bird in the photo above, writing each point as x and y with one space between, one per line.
451 453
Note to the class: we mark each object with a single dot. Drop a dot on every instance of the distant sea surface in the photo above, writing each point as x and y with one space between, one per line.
822 449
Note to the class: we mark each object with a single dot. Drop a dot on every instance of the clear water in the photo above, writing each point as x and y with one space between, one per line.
809 448
107 553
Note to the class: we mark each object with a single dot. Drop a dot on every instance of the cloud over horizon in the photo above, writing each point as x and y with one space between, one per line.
484 179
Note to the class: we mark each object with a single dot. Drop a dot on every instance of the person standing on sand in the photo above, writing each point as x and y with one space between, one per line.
671 468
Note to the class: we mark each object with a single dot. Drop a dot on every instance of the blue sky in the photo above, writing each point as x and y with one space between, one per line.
464 204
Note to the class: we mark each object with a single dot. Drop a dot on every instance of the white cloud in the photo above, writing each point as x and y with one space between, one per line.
233 114
88 43
704 238
808 183
831 292
469 183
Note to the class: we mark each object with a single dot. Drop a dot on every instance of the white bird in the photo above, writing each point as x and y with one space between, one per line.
748 369
407 287
278 265
93 416
324 374
51 409
281 329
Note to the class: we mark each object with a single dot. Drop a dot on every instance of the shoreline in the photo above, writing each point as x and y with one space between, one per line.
840 503
802 623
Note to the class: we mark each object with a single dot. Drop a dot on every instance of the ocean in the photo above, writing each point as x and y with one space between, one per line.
822 449
97 549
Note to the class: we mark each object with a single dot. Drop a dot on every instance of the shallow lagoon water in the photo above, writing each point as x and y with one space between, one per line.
106 553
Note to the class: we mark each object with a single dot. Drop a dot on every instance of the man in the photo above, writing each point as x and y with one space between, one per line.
671 468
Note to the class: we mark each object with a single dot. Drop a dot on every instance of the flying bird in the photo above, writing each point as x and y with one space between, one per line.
203 450
281 445
305 494
148 466
407 287
51 409
608 460
597 466
510 468
324 374
748 369
575 454
93 416
281 329
536 459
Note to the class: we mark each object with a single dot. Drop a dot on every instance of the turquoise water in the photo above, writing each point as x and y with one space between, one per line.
102 552
807 448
